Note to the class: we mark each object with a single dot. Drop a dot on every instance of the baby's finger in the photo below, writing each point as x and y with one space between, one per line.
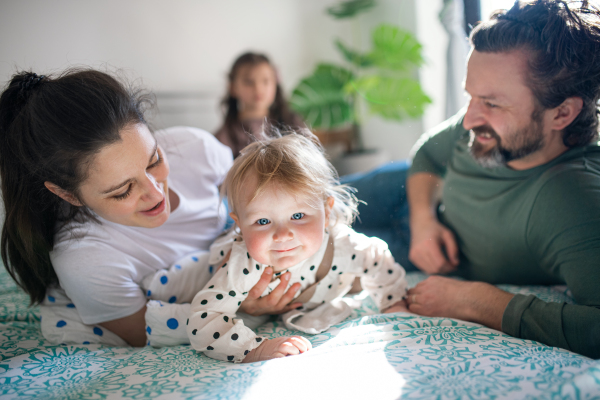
261 285
291 307
306 342
288 296
302 344
277 293
288 349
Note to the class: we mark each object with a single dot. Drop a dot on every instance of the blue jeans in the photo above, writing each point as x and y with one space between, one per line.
385 214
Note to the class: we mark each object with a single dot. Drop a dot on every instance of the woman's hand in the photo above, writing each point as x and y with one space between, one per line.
479 302
279 347
276 302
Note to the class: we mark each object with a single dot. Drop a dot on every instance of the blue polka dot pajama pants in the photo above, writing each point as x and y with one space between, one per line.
169 292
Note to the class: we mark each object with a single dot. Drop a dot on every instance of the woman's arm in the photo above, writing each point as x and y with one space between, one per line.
130 328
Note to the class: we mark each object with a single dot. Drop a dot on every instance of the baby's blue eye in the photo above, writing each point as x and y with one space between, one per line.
263 221
298 216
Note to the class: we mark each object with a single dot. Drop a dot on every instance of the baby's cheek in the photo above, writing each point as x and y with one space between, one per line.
257 247
313 241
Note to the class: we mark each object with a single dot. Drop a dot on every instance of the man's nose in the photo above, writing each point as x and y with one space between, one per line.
474 117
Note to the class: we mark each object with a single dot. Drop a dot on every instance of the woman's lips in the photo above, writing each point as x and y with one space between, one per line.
157 209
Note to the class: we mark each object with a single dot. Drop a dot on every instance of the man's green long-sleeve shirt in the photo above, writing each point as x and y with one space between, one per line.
539 226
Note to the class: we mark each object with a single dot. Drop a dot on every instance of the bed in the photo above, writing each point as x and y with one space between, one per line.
368 356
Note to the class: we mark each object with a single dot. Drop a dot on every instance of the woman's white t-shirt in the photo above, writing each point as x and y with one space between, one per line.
100 266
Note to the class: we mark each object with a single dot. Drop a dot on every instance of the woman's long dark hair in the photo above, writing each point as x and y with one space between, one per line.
279 112
50 128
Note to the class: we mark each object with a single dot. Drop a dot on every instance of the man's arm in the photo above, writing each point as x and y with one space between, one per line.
564 235
432 246
572 327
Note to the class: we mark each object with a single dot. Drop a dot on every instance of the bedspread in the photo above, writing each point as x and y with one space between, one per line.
368 356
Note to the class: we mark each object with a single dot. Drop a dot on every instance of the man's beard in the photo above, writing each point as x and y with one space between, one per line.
521 143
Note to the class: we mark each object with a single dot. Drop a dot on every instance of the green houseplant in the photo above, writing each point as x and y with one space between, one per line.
381 81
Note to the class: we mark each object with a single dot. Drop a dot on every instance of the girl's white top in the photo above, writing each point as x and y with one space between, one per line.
213 327
100 266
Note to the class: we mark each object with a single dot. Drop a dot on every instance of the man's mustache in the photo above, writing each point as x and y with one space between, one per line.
485 129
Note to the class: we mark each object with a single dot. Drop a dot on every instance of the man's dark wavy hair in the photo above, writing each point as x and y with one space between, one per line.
562 39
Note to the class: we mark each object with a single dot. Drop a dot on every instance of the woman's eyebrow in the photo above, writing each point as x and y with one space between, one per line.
120 185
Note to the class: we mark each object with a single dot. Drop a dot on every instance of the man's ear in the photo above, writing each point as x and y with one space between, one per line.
63 194
566 113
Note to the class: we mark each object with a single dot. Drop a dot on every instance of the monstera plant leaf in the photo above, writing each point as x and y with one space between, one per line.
391 98
360 60
348 9
321 98
394 48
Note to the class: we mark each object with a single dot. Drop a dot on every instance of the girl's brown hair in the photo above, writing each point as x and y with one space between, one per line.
279 112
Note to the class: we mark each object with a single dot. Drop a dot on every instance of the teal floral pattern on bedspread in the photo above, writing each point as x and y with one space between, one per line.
368 356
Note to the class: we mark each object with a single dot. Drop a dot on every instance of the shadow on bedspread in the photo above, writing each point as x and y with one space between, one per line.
368 356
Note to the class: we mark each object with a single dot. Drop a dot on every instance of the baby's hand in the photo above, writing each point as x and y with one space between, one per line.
399 306
279 347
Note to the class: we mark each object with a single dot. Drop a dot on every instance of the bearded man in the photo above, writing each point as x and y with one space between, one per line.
519 176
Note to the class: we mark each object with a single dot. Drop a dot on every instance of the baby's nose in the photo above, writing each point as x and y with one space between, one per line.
282 233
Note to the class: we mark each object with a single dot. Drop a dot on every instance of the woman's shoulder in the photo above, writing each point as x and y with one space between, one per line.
81 237
182 137
193 150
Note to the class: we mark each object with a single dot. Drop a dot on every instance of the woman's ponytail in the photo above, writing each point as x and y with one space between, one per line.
28 229
49 130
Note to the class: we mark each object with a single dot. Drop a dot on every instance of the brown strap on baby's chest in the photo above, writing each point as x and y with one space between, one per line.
322 272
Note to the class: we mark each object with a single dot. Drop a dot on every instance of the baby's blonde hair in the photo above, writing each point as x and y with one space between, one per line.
296 161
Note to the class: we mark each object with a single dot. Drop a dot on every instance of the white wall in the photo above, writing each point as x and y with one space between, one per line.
188 45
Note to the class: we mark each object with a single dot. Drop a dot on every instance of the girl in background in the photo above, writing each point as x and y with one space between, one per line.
254 95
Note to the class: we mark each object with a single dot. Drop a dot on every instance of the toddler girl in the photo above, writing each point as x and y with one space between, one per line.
290 215
254 95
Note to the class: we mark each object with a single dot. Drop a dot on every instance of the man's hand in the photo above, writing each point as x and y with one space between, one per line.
279 347
433 247
478 302
277 302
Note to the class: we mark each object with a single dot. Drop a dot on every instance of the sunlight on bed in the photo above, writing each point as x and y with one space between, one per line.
345 372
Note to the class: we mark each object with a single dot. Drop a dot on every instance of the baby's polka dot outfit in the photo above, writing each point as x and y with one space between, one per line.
213 327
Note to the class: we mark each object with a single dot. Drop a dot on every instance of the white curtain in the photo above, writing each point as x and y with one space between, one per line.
452 17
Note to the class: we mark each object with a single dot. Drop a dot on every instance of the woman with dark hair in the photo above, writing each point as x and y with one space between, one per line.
93 207
254 96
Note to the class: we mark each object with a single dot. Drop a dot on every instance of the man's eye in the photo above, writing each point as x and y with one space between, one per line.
490 105
263 221
298 216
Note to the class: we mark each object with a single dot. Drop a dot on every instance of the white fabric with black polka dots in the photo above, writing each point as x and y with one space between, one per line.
212 327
